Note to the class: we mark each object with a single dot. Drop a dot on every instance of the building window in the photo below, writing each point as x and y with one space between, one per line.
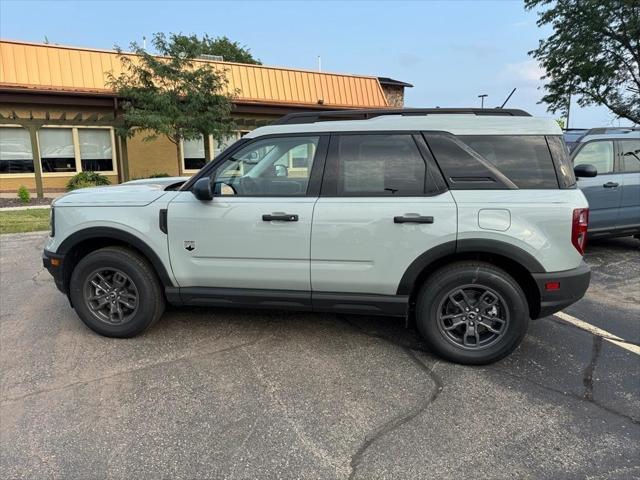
96 153
219 147
57 152
76 149
194 158
193 154
15 151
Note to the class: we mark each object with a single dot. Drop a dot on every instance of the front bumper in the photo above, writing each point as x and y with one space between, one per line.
54 263
571 287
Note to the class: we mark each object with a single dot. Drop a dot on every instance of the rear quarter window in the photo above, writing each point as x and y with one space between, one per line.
562 161
523 159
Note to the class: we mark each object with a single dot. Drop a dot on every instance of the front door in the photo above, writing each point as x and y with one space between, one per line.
256 232
604 191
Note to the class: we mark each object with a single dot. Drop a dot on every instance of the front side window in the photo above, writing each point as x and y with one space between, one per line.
15 151
598 153
523 159
630 154
379 165
96 153
57 152
265 167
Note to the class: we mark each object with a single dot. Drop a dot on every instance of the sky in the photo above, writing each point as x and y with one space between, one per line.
451 51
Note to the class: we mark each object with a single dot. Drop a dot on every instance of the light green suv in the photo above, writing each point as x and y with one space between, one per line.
466 221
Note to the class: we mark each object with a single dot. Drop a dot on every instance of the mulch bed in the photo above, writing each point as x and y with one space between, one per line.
16 202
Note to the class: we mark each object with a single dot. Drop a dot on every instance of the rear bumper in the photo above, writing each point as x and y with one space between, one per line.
572 286
54 262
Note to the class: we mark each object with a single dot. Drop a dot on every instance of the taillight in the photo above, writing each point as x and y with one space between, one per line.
579 229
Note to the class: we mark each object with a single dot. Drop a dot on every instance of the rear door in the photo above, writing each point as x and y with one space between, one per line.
629 151
604 191
382 205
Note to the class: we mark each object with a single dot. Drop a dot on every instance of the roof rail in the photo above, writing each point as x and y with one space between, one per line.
606 130
312 117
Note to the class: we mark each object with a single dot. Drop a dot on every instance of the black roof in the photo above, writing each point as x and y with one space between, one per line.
391 81
332 115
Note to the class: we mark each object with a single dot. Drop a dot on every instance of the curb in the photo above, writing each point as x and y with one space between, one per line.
34 207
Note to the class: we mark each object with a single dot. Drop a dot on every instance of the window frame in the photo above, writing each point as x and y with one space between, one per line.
331 173
315 176
616 166
620 160
33 159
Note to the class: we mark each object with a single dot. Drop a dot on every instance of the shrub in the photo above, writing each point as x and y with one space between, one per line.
23 194
86 179
159 175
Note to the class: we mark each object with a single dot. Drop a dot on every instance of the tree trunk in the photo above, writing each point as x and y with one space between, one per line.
179 157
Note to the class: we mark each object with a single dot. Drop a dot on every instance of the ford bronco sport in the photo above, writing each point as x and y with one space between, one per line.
466 221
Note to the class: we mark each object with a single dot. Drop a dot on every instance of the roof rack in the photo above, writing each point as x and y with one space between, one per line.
312 117
606 130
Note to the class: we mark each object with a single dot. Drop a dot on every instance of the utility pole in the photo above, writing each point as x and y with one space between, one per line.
482 97
568 112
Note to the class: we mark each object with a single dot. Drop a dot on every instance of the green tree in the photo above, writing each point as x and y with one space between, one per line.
593 53
172 94
230 51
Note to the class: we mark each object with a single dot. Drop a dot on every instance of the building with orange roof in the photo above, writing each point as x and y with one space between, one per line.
57 114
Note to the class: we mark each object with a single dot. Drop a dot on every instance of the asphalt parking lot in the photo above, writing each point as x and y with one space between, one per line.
240 394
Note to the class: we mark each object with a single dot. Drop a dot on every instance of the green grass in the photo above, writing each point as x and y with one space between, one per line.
18 221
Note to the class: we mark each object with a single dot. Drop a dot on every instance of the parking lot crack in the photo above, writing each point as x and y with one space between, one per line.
81 383
575 396
587 379
403 418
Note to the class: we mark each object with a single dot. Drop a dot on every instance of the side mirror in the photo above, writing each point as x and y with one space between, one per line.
202 190
585 170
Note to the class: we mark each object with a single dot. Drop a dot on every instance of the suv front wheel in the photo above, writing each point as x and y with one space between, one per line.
116 292
472 313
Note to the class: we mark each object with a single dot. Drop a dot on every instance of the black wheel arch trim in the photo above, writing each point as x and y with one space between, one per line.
481 246
102 233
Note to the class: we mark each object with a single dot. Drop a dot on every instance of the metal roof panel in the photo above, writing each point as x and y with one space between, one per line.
49 67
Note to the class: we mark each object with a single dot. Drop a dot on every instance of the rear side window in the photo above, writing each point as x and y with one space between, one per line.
630 155
379 165
560 155
523 159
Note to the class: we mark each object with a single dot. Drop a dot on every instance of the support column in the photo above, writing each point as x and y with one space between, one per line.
208 153
123 155
37 165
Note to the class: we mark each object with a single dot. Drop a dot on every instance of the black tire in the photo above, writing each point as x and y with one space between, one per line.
140 281
440 297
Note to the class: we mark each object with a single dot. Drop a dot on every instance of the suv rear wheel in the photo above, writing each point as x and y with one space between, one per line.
116 292
472 313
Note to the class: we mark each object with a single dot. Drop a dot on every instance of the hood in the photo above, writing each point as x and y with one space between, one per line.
127 194
165 181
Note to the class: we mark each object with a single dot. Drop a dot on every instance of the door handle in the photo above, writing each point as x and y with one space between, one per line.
610 185
281 217
412 219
